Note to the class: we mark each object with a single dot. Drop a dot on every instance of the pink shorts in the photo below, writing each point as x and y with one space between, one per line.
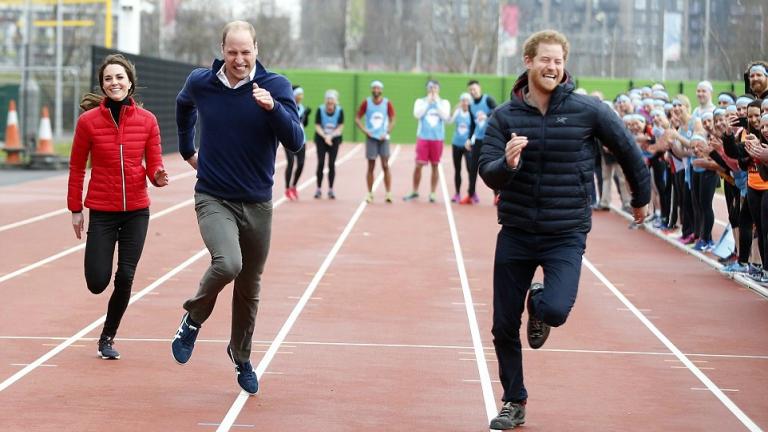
428 151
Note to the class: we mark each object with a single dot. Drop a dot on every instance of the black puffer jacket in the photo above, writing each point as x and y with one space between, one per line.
550 191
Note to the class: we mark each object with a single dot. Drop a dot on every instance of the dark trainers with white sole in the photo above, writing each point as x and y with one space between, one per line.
106 350
246 377
537 330
184 340
511 415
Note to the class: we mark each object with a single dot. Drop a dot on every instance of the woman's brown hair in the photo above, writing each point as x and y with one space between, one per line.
92 100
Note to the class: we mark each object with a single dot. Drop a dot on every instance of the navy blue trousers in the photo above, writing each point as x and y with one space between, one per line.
518 255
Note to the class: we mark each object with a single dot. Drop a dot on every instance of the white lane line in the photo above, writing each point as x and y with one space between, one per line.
234 425
92 326
81 334
706 389
27 364
474 329
294 344
63 211
239 403
695 370
73 249
33 219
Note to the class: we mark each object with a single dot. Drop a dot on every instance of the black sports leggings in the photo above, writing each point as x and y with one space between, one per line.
758 206
299 157
662 177
745 230
704 185
686 204
458 154
128 230
332 150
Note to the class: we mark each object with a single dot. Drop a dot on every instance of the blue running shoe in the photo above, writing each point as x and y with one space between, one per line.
700 245
184 341
246 377
735 267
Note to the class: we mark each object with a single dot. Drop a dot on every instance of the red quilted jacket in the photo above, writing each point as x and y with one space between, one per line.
117 154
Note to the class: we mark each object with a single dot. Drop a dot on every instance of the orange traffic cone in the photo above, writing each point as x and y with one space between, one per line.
13 147
44 136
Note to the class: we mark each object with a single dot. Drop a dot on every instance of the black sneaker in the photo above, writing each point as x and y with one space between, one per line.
106 350
246 377
538 331
511 415
184 341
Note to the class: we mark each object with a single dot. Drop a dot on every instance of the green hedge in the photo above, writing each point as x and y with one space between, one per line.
403 88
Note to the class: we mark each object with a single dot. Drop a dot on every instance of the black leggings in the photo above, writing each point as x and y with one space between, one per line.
128 230
704 185
758 206
458 154
732 203
332 150
289 158
662 177
686 203
745 230
476 148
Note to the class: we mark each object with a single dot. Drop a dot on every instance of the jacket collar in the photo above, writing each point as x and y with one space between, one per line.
128 110
561 91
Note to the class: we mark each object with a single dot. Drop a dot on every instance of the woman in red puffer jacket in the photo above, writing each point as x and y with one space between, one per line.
118 136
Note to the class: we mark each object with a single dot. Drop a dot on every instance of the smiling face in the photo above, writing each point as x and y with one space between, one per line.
475 91
764 127
330 105
753 117
758 82
707 123
239 51
546 68
115 82
721 123
703 95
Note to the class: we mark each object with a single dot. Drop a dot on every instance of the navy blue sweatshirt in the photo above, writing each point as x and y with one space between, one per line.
239 139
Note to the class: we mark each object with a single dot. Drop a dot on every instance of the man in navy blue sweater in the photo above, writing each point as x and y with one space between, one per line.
246 111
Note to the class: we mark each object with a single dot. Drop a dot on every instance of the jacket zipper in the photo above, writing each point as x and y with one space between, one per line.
122 163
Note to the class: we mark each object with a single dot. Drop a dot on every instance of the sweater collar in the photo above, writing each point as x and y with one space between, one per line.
259 72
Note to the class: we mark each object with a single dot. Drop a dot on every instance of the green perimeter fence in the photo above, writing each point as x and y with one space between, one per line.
404 88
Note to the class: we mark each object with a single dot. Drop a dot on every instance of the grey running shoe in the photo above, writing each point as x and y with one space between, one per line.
106 350
512 414
538 331
411 196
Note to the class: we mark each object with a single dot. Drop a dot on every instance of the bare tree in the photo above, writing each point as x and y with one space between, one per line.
466 34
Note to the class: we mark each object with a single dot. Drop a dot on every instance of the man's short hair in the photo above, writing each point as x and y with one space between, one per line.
531 45
473 81
237 25
757 103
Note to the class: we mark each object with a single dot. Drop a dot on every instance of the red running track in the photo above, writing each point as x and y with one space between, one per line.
363 324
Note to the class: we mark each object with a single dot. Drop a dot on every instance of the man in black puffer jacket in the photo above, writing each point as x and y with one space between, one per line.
539 152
